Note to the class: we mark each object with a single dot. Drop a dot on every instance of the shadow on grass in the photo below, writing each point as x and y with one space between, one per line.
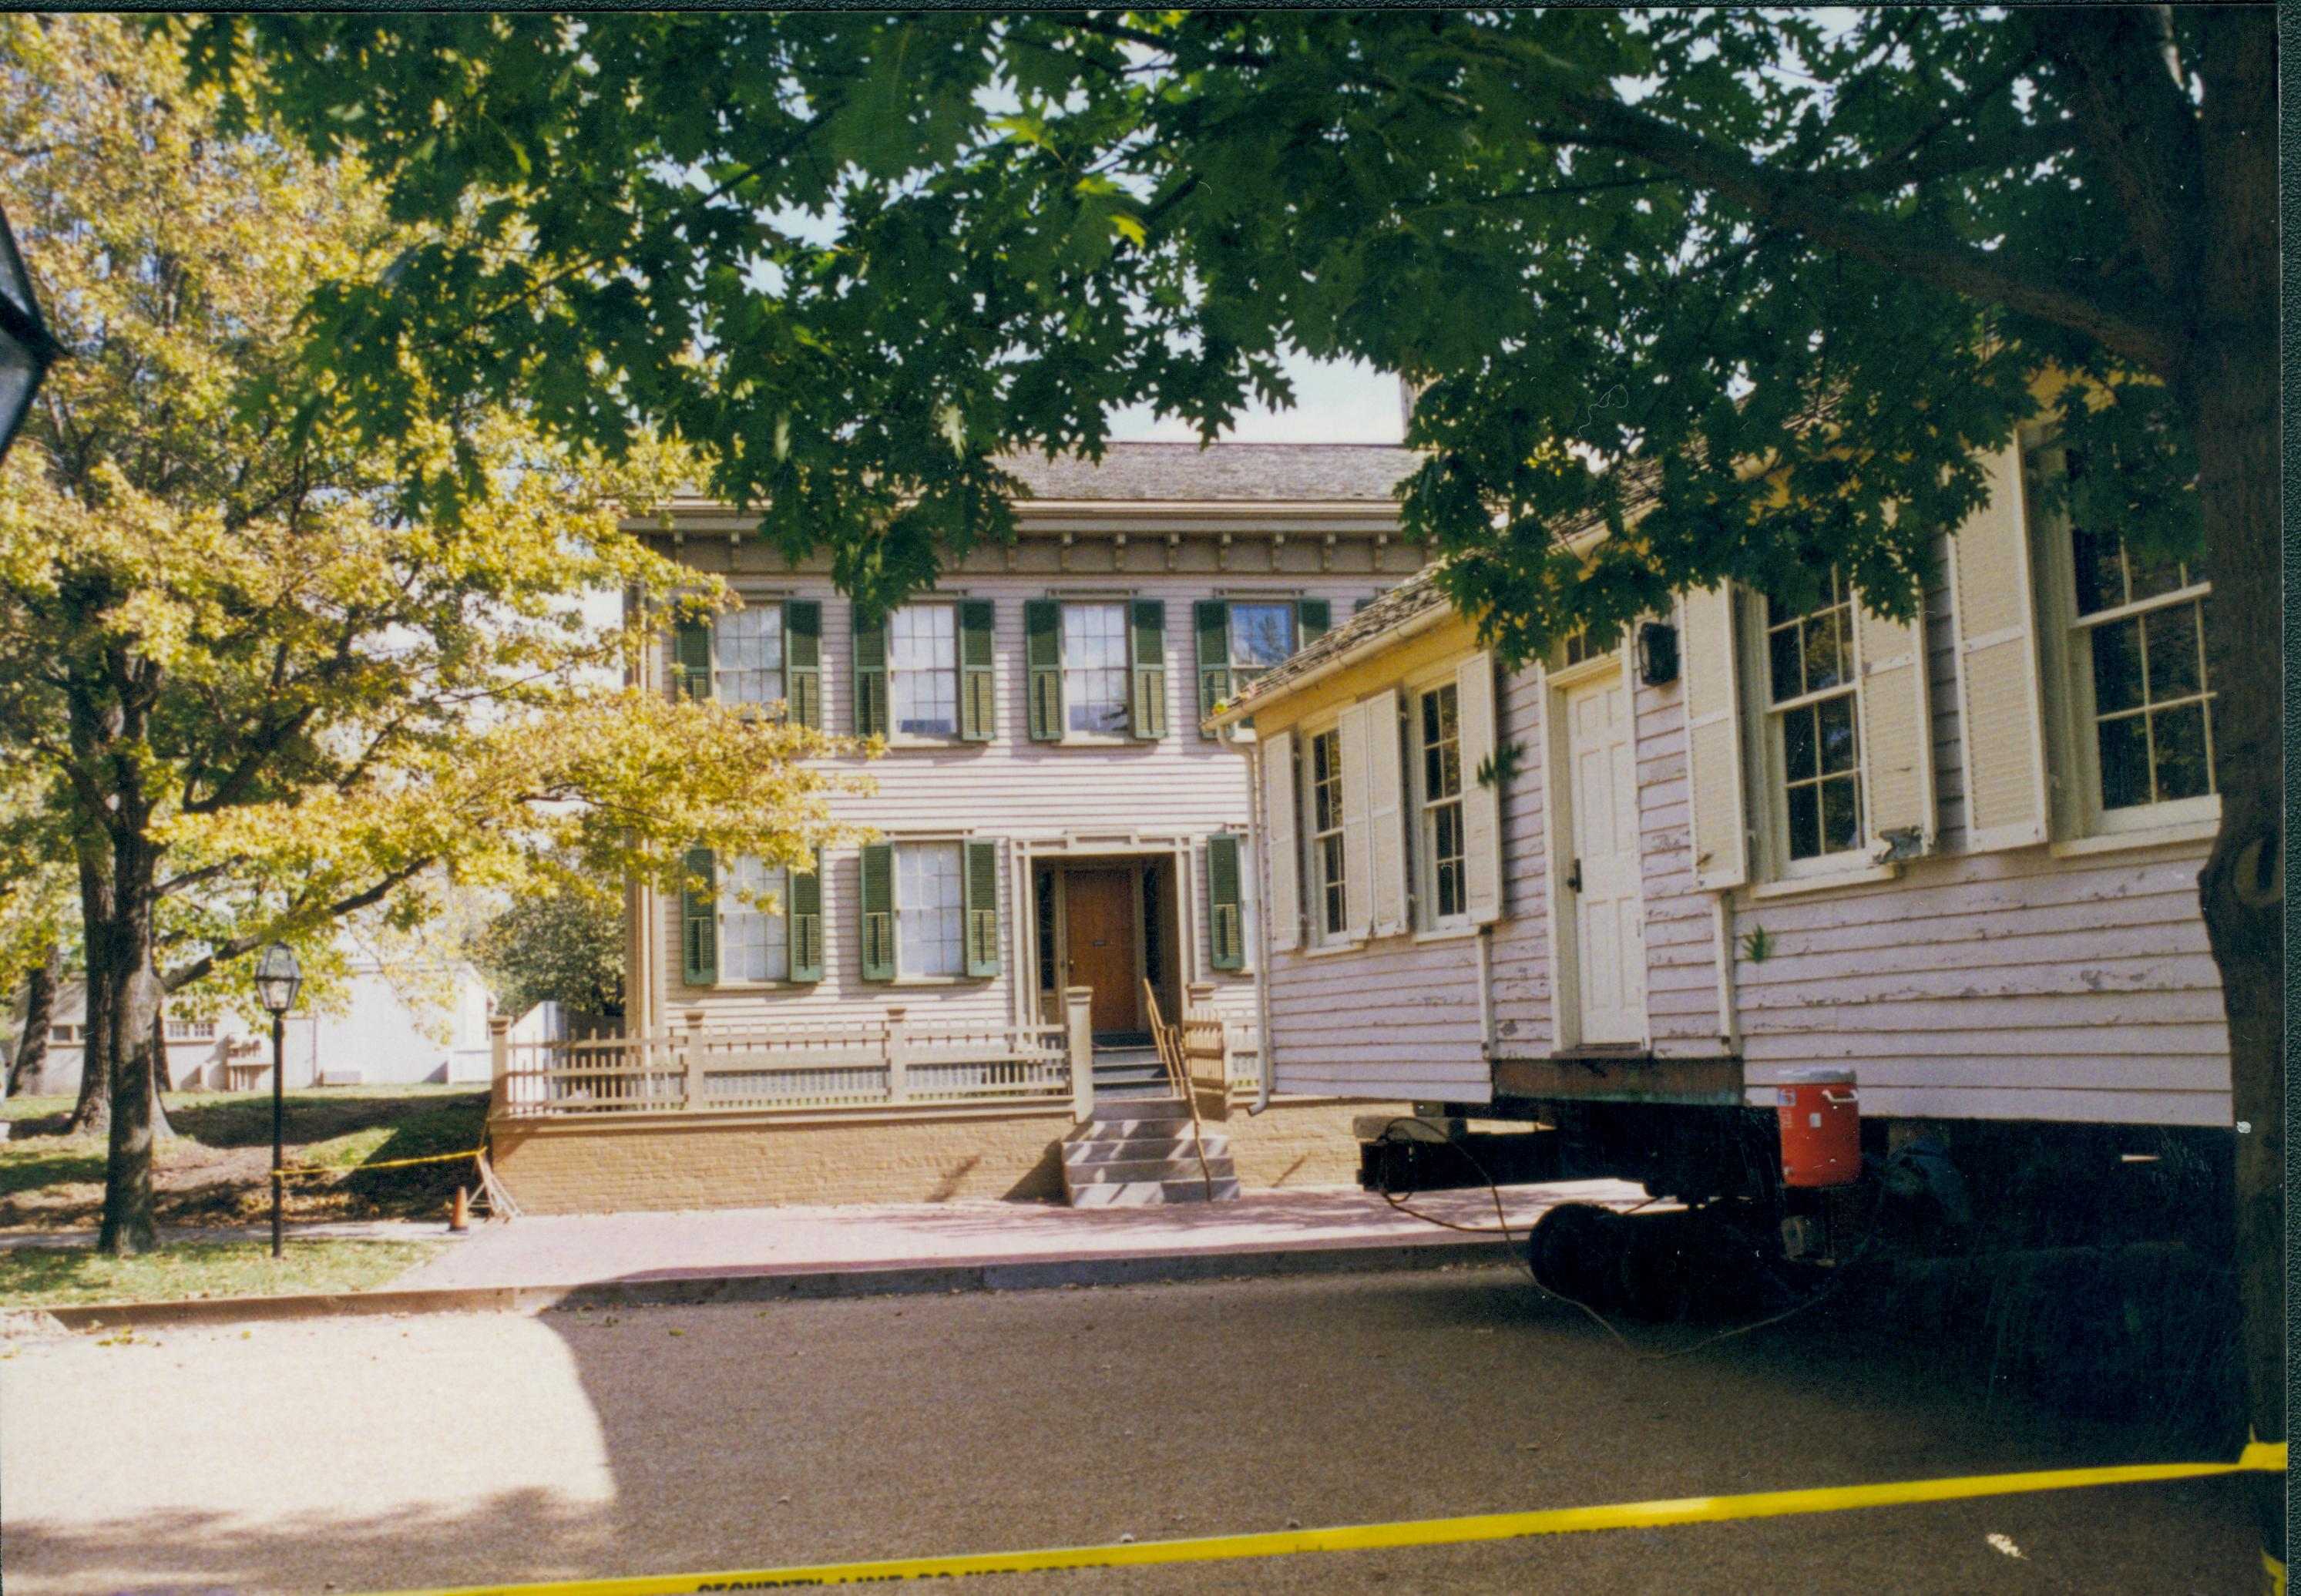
30 1171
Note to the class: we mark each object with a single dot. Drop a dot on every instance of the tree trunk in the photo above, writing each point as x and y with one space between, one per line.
92 1114
39 1019
162 1081
2231 394
129 1225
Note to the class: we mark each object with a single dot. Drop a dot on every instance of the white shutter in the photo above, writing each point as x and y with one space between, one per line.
1358 835
1999 698
1717 821
1482 800
1385 820
1285 907
1897 735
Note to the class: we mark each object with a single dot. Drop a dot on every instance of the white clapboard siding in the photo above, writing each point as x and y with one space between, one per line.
1385 815
1010 789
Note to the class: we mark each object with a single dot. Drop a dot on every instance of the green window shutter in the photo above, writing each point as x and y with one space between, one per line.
1357 605
803 909
691 660
1043 657
803 660
1210 619
978 695
870 673
1146 647
1226 940
981 899
1312 619
878 911
698 922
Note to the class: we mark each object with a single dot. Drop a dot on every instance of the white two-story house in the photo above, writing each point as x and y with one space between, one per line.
1051 818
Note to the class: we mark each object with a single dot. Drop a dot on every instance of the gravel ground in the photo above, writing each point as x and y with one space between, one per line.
376 1454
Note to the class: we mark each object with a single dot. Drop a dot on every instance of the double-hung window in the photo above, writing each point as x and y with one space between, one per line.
923 670
754 923
1443 856
749 666
929 913
1262 635
1096 700
2142 704
1240 639
1812 725
1330 903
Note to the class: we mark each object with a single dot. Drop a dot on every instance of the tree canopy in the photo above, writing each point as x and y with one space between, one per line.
249 684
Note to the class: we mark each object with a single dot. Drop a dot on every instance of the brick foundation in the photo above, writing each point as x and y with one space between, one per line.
664 1161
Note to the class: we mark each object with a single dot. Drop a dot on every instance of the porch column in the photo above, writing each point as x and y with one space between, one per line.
499 1064
1078 1016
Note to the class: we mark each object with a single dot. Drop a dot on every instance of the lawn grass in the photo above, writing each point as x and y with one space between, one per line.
215 1169
73 1276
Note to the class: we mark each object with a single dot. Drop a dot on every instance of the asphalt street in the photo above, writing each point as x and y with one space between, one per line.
405 1453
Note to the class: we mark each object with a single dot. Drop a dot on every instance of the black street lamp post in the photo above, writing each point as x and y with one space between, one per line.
278 976
27 348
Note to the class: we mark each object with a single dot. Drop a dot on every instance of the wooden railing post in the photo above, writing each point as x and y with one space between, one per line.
898 1084
499 1064
1078 1019
691 1093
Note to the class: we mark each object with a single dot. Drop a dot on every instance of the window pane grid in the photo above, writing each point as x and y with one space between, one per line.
1326 829
1442 803
2152 706
749 666
753 942
1094 667
922 669
1811 673
929 912
1262 635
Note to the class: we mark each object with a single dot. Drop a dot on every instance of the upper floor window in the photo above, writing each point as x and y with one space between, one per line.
754 929
749 663
1812 724
922 669
2138 635
1439 799
191 1031
1330 909
1262 635
1095 695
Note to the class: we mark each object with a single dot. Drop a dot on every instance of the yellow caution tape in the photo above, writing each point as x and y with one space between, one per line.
2260 1456
2274 1572
281 1174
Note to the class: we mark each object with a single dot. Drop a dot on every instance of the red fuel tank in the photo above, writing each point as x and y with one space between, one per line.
1820 1115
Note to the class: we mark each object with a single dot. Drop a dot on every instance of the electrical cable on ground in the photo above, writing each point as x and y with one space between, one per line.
1525 1257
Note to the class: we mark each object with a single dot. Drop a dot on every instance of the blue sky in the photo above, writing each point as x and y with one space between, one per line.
1333 404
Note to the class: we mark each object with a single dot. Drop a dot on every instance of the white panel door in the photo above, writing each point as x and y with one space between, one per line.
1608 909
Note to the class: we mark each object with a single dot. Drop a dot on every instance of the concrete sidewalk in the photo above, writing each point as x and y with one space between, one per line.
630 1247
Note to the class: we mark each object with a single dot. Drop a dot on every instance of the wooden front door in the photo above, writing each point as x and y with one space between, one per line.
1099 920
1609 904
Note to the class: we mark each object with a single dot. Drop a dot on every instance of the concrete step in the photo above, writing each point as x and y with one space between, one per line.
1126 1130
1125 1171
1118 1148
1127 1075
1164 1105
1103 1055
1144 1194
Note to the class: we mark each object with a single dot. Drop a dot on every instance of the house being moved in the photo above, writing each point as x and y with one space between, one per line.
1635 894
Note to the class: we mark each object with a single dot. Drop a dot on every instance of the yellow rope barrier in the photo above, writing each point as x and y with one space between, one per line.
281 1174
2260 1456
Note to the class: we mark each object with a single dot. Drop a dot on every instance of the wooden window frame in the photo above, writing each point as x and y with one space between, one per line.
2064 637
1421 859
1314 878
1771 784
955 738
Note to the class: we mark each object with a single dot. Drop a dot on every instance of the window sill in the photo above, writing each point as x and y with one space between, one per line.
752 986
2118 842
1447 933
1328 949
938 979
1799 885
917 739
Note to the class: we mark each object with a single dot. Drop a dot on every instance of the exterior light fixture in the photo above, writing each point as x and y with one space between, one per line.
27 348
1657 653
278 979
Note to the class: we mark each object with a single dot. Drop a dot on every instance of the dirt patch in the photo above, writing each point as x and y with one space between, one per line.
216 1169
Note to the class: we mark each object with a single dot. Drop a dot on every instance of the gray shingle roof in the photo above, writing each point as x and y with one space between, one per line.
1273 472
1413 597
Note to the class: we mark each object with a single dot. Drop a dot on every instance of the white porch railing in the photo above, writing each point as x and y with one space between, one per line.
856 1063
1220 1047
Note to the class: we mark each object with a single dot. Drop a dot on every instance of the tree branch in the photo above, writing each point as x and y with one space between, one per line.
240 946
